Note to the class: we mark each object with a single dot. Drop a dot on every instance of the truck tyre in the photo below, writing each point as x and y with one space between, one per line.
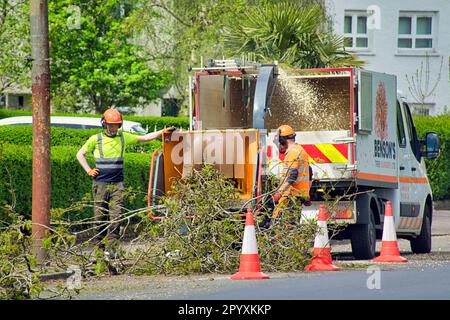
364 239
422 243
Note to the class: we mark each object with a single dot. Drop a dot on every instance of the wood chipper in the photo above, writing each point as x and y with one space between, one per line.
358 133
221 132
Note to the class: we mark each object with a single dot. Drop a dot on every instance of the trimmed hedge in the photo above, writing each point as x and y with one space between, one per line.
60 136
150 123
438 169
158 123
6 113
69 181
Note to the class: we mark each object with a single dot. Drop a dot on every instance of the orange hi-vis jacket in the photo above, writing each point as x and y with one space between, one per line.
296 159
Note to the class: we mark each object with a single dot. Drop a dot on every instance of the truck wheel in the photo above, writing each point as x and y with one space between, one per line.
364 239
422 244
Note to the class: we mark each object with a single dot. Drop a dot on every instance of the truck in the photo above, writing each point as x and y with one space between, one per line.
357 130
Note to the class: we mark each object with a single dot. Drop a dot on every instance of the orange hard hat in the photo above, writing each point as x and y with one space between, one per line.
286 130
112 116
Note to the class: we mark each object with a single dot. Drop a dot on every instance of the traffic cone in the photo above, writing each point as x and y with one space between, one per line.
249 268
389 245
322 251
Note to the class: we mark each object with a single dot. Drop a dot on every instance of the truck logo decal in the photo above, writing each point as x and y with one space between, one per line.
381 112
382 148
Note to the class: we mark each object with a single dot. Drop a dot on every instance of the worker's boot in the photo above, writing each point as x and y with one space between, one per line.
265 223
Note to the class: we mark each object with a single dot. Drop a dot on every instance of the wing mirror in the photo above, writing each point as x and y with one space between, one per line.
432 145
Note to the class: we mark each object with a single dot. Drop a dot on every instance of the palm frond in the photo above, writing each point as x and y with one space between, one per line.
290 34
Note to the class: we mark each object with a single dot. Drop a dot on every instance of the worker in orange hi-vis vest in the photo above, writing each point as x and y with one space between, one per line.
296 172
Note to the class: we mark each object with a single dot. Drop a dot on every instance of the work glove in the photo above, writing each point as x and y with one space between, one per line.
169 130
276 197
93 172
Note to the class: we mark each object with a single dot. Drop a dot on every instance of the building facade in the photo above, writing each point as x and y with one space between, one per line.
16 99
410 39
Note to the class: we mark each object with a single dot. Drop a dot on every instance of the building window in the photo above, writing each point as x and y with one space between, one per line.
355 31
422 109
415 30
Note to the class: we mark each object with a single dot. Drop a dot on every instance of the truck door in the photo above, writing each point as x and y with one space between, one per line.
409 172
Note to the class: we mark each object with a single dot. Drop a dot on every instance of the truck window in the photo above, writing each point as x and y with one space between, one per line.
400 128
414 142
366 103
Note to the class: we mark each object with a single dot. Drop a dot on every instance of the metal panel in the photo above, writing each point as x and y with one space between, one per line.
409 209
232 152
158 187
330 171
220 104
263 92
377 150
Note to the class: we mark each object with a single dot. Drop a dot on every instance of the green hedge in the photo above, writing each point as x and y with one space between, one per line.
69 181
150 123
60 136
439 168
157 123
6 113
71 184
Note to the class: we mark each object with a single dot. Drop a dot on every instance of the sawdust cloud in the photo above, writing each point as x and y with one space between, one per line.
310 104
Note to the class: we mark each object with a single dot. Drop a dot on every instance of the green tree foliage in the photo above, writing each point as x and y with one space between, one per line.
294 34
15 47
94 59
438 170
177 33
203 231
18 277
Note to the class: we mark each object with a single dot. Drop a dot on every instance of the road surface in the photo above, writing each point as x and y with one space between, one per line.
425 276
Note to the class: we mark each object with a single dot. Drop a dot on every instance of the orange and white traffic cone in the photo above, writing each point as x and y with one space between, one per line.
249 268
389 245
322 251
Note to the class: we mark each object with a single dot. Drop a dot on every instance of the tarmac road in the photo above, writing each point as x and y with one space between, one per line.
430 282
441 223
424 276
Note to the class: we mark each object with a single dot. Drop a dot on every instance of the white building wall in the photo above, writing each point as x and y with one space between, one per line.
12 101
152 109
383 54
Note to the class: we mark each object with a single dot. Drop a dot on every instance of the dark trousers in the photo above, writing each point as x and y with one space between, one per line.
108 203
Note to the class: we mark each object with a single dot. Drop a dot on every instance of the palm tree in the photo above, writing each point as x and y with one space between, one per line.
291 34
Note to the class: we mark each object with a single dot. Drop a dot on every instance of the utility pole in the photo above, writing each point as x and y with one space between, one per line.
40 79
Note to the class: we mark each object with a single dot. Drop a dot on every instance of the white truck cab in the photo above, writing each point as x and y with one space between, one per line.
364 150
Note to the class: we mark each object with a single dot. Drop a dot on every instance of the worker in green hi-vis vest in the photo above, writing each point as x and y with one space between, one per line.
108 189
